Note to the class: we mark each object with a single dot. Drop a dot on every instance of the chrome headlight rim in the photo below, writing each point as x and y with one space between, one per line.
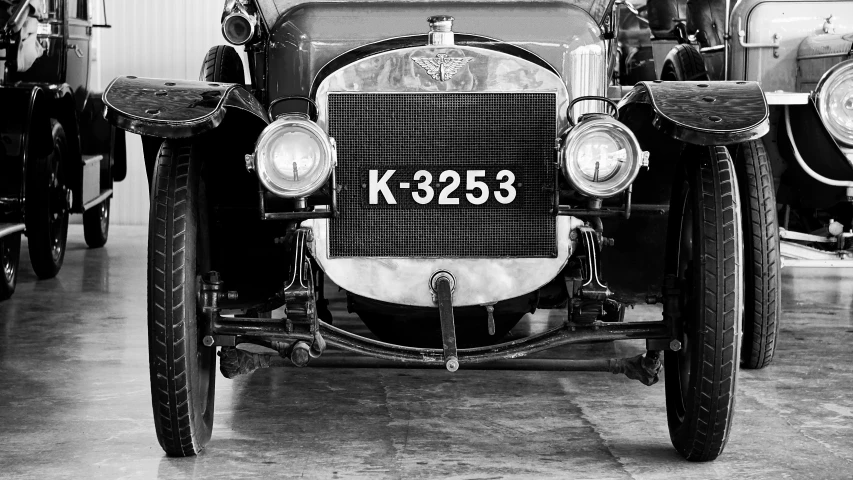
621 179
271 133
837 73
238 10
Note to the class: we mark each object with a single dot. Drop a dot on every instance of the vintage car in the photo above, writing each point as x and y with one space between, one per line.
799 178
58 155
448 166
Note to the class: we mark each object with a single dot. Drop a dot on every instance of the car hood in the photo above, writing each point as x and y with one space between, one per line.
304 39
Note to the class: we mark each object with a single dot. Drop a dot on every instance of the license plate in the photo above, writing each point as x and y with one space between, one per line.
438 187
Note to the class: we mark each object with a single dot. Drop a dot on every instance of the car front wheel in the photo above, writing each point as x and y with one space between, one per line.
704 256
96 225
182 369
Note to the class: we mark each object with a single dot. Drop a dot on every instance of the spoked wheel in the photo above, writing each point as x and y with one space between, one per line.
96 225
762 292
47 208
704 253
182 369
10 254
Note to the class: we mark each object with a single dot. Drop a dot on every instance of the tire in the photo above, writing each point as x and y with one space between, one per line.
182 369
10 255
96 225
46 207
704 252
684 63
762 292
222 64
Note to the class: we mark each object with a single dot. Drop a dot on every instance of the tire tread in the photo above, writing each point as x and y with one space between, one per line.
762 292
703 434
168 361
684 63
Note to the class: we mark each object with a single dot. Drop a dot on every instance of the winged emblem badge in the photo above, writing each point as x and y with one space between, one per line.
442 67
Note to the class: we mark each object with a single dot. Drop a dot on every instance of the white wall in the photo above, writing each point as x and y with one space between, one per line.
149 38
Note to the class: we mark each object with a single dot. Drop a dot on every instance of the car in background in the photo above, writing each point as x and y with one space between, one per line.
57 154
798 178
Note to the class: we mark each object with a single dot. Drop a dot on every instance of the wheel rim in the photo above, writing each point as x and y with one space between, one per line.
685 280
105 215
204 365
56 203
8 262
206 356
203 357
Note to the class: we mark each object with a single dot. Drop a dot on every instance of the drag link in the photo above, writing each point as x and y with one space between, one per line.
444 296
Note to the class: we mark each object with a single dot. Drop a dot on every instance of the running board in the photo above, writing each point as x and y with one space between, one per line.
796 255
105 194
10 228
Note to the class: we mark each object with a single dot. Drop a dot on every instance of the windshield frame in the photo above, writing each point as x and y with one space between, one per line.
272 10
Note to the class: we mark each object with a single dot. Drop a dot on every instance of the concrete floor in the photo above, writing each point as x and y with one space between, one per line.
75 399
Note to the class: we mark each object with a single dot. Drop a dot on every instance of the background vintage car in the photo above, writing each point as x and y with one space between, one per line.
57 155
799 177
787 46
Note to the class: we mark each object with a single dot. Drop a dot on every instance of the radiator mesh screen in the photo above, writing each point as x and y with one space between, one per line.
436 132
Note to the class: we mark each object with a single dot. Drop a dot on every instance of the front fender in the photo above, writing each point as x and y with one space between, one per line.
174 108
699 113
24 132
26 121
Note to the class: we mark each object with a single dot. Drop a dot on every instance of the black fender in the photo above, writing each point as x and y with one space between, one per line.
175 108
27 130
819 151
698 113
24 133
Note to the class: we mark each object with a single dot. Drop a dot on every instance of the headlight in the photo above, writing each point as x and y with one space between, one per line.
294 157
600 157
834 94
239 25
238 28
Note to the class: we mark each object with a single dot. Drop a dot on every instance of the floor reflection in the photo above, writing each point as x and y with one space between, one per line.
76 401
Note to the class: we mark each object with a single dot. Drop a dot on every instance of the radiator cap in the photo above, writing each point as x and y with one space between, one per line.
440 30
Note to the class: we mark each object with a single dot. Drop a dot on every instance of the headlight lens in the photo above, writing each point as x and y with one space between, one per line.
238 28
835 101
294 157
600 157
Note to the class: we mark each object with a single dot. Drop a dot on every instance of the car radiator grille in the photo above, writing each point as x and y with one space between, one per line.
435 132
